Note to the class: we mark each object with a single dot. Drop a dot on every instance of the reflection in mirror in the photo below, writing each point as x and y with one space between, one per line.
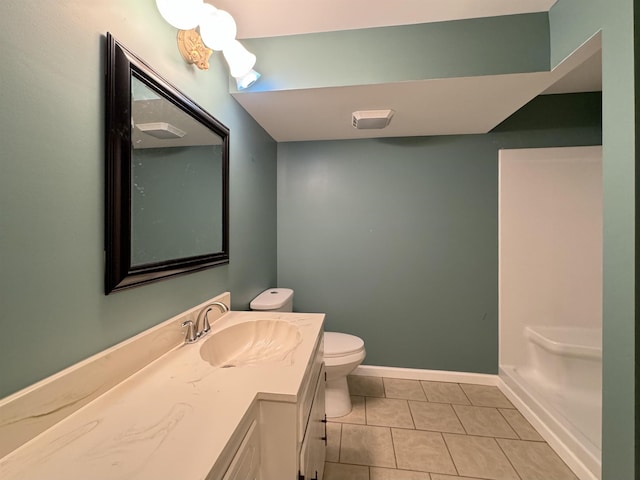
167 178
176 173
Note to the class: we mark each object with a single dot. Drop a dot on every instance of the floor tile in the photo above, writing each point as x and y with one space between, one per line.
400 388
367 445
462 432
334 432
536 460
479 457
438 417
437 476
486 396
357 414
520 424
444 392
341 471
366 386
422 451
388 412
484 421
377 473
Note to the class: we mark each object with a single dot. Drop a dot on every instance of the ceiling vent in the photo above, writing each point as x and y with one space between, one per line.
162 130
371 119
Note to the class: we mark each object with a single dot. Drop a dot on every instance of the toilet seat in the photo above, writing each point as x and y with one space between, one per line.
341 344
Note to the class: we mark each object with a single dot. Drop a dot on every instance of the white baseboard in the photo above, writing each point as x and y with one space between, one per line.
428 375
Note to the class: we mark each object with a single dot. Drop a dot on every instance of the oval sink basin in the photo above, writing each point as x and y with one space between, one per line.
255 342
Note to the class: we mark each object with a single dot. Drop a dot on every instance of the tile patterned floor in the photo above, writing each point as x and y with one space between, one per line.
418 430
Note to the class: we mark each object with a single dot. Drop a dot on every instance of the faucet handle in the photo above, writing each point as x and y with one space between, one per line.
191 332
206 327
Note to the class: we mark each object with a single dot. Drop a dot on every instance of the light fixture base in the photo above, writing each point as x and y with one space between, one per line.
192 49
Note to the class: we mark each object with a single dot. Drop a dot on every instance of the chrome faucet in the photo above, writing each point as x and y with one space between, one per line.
204 317
195 331
191 333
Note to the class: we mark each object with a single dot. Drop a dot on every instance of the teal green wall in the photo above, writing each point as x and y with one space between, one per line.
176 202
397 239
571 23
480 46
53 311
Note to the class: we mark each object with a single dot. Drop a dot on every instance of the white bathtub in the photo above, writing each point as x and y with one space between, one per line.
561 384
567 357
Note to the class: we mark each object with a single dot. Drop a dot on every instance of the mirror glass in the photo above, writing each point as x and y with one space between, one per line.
167 178
176 182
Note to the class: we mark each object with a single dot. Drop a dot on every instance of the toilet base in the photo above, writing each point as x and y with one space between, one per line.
336 397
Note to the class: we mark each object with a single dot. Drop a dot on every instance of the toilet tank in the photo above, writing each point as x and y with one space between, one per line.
274 300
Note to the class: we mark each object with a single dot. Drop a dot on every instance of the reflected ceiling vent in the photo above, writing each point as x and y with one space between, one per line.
161 130
371 119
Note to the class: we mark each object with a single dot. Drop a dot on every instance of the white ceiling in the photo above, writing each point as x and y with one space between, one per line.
269 18
586 77
430 107
423 108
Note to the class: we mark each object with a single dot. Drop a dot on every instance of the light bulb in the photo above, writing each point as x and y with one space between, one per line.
182 14
217 28
240 60
247 80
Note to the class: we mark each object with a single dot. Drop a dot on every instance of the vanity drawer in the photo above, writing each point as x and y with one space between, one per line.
246 462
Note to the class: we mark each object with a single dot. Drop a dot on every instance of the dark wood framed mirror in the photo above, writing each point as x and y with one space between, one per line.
167 177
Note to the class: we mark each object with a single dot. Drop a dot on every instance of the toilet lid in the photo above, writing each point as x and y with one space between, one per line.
337 344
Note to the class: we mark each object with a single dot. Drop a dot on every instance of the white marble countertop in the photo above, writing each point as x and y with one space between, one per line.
171 420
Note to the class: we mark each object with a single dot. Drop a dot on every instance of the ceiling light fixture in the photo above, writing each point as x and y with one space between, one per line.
204 29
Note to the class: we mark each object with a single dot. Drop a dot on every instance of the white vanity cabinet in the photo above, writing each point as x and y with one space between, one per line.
259 422
314 440
246 462
293 435
241 457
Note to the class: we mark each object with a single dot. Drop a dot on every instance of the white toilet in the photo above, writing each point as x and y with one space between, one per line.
274 300
342 352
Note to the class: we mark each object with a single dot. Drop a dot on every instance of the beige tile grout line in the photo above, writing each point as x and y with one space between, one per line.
340 445
395 455
508 459
426 395
465 395
366 421
366 424
520 439
494 438
516 432
444 440
441 433
413 420
512 427
393 445
460 420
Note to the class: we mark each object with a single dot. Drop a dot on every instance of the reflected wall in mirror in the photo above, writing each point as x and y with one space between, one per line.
167 178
